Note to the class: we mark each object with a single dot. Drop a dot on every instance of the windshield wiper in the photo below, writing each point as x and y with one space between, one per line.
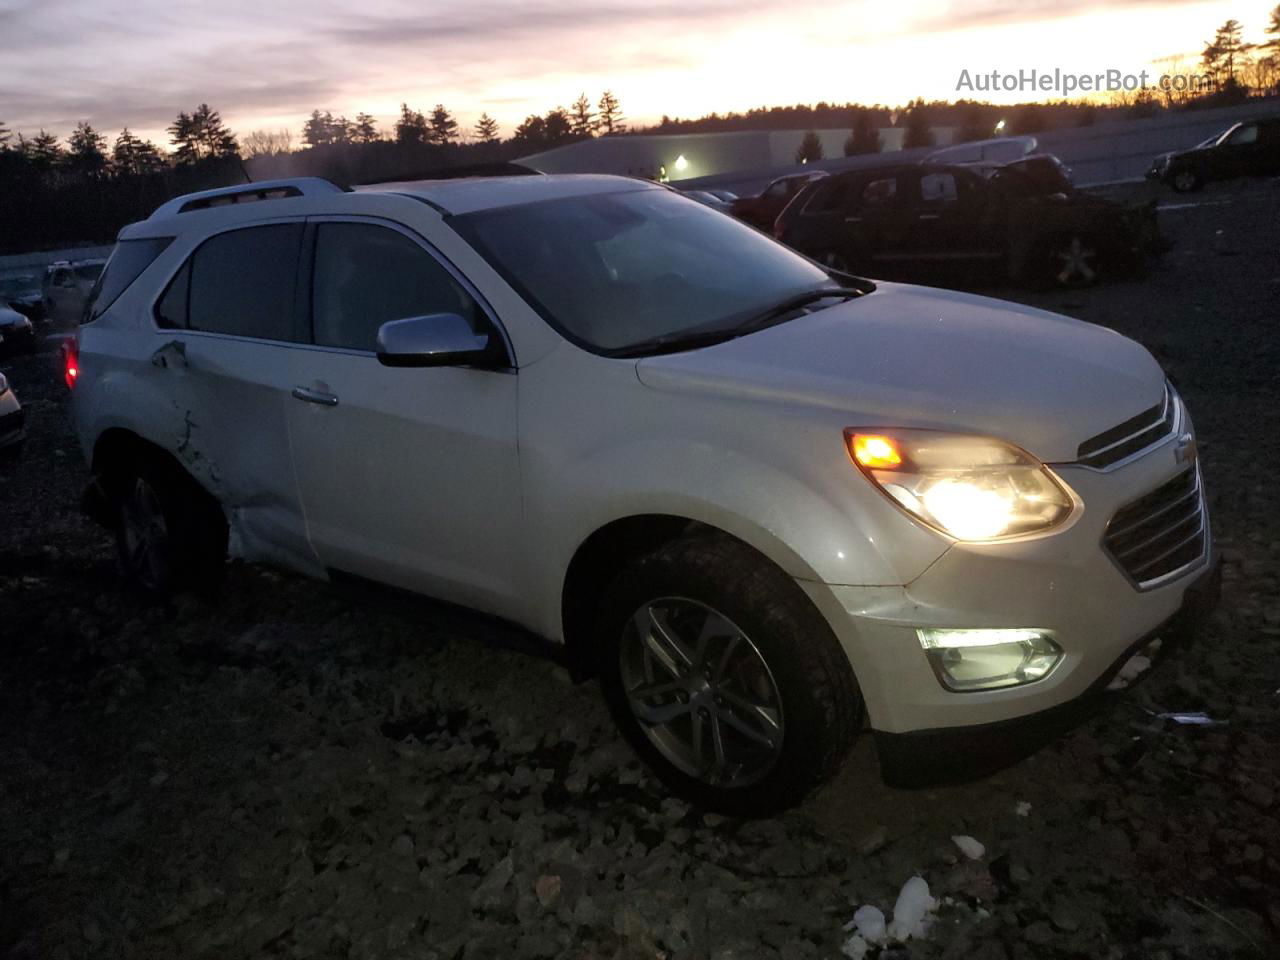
793 303
692 339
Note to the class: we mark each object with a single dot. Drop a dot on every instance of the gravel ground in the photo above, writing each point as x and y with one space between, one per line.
297 771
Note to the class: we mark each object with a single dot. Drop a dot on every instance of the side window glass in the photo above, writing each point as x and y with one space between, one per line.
880 193
367 275
1245 136
776 190
938 189
241 283
829 198
171 311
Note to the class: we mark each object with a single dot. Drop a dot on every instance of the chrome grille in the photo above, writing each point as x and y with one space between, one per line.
1126 439
1161 533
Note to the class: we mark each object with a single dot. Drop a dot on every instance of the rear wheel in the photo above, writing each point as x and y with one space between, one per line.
1186 180
170 535
725 678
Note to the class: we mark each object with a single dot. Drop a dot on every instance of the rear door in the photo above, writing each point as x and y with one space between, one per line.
408 476
226 325
952 219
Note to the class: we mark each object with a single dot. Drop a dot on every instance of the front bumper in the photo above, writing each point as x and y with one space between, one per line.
951 754
1064 582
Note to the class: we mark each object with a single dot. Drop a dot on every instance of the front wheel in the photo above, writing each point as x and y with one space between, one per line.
1186 180
725 678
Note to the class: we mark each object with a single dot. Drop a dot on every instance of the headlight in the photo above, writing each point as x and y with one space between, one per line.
970 488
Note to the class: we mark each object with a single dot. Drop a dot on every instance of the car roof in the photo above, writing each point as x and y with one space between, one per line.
473 194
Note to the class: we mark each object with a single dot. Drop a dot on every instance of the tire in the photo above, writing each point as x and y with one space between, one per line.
170 534
752 639
1186 180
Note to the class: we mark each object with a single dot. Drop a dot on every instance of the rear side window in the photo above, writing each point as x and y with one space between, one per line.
880 192
938 189
239 283
367 275
830 197
127 261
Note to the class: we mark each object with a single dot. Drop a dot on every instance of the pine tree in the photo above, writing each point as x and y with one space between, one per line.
486 129
366 129
864 138
918 133
444 129
810 148
5 134
972 126
411 127
556 126
200 136
582 122
317 131
42 151
610 118
1220 53
532 132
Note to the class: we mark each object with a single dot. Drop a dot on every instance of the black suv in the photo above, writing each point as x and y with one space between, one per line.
935 223
1251 148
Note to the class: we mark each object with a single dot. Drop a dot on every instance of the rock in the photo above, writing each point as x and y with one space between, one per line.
547 887
491 887
1065 917
910 912
1039 933
970 847
402 846
869 921
1259 795
873 842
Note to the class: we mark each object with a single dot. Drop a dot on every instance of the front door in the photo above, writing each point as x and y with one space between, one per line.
408 476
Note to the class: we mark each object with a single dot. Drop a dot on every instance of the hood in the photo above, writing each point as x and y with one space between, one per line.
918 357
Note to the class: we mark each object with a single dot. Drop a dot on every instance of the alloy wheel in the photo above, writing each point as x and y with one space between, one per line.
145 535
1075 262
702 692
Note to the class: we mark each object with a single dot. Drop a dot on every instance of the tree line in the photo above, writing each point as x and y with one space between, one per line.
58 194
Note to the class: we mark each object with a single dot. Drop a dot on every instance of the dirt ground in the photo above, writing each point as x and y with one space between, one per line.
293 770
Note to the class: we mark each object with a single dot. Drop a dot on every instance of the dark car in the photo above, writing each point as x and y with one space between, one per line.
11 428
1251 148
936 222
23 294
762 210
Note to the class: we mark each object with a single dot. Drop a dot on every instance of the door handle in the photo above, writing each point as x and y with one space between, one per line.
315 396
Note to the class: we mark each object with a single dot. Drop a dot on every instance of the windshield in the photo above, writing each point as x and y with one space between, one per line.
609 271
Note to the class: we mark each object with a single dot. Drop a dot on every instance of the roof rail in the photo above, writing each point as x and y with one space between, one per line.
246 193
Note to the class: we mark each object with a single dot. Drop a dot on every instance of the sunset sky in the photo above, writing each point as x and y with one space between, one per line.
268 64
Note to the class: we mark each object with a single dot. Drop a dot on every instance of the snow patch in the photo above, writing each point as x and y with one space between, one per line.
970 847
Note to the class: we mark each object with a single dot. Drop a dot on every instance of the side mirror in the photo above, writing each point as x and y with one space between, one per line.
436 340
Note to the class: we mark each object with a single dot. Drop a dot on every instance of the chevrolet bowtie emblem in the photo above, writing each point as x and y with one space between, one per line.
1185 451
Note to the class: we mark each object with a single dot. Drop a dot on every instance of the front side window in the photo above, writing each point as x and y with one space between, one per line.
880 193
367 275
938 189
239 283
614 270
1244 136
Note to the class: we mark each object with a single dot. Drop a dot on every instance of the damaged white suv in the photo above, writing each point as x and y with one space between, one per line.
766 504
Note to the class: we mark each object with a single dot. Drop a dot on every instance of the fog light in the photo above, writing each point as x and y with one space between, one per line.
989 659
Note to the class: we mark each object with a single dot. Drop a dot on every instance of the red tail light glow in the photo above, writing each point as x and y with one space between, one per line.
71 363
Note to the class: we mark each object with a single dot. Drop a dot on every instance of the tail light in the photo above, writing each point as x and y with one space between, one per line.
70 361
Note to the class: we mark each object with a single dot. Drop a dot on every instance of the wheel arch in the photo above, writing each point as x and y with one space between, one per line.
114 449
606 552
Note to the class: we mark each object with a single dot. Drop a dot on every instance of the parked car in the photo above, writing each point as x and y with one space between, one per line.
761 210
759 502
67 285
710 199
16 331
11 420
945 222
1250 148
23 294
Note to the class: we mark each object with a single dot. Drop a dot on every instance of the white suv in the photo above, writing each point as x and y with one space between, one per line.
763 502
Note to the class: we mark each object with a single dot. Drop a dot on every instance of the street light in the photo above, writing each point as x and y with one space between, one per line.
999 128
